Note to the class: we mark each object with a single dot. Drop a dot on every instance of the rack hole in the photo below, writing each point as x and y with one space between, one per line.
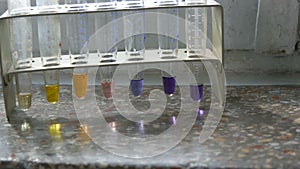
195 56
107 61
169 57
107 56
135 59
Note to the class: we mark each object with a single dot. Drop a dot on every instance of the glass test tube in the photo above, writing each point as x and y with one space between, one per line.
169 80
196 32
136 80
134 32
20 34
106 26
49 34
18 7
51 79
107 82
24 92
45 6
77 30
197 81
80 82
168 33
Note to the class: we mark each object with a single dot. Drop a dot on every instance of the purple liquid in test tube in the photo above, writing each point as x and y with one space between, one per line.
169 85
196 92
137 87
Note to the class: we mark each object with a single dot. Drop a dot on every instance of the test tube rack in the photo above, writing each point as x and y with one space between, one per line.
214 34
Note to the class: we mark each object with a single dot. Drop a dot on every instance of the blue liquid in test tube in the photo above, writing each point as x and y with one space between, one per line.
169 85
136 80
196 92
137 87
196 82
169 80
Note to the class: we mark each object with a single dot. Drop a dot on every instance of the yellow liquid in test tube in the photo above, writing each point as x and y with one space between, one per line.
52 93
24 101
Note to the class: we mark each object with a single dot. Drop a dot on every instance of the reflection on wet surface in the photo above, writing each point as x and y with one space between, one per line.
259 128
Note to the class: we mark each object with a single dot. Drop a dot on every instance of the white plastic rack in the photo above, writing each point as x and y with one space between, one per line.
215 31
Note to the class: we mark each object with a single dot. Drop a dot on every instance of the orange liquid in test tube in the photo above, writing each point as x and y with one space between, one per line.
80 82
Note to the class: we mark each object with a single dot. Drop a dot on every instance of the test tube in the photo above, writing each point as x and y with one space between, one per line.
24 93
45 6
169 80
20 34
134 32
77 30
136 80
197 81
80 82
168 28
51 79
168 33
18 7
49 35
196 32
107 82
106 26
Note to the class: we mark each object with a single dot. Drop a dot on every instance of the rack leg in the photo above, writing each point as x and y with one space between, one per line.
9 97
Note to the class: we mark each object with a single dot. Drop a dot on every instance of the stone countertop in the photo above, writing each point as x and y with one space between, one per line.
260 128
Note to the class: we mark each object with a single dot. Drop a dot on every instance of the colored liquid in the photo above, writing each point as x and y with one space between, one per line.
55 131
169 85
107 88
52 93
24 101
137 87
196 92
83 134
80 82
